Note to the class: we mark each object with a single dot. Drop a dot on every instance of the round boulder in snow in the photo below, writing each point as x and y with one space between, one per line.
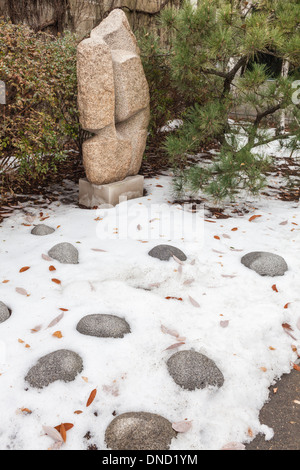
139 431
64 253
42 230
62 365
265 263
4 312
165 252
192 370
103 326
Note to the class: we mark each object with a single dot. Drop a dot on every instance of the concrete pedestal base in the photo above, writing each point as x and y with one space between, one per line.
92 195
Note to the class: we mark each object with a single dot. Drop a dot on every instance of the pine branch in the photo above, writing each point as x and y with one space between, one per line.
266 113
232 73
272 139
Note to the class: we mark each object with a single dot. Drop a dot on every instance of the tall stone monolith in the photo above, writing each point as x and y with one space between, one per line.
113 100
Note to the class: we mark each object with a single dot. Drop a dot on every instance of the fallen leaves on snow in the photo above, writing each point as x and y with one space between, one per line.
234 446
182 426
24 269
56 320
91 397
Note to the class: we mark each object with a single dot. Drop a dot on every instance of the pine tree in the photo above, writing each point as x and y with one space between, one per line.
213 57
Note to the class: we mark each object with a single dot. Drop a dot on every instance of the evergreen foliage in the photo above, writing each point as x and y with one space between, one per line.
210 51
40 114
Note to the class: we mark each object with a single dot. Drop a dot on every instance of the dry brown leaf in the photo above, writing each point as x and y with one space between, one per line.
56 320
53 433
21 291
254 217
178 260
26 410
5 281
234 446
274 287
36 329
57 334
296 367
67 426
91 397
174 298
25 268
167 331
188 282
217 237
52 268
194 302
63 432
174 346
182 426
46 257
57 281
78 412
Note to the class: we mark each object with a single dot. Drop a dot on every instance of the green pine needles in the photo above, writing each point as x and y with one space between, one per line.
214 60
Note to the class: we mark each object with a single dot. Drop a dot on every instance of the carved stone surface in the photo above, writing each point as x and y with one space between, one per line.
113 98
96 88
91 195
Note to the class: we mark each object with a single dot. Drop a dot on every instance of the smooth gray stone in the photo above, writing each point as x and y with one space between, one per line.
42 230
139 431
265 264
165 252
64 253
62 365
103 326
4 312
192 370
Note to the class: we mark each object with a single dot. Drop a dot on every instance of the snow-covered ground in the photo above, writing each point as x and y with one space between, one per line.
237 322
